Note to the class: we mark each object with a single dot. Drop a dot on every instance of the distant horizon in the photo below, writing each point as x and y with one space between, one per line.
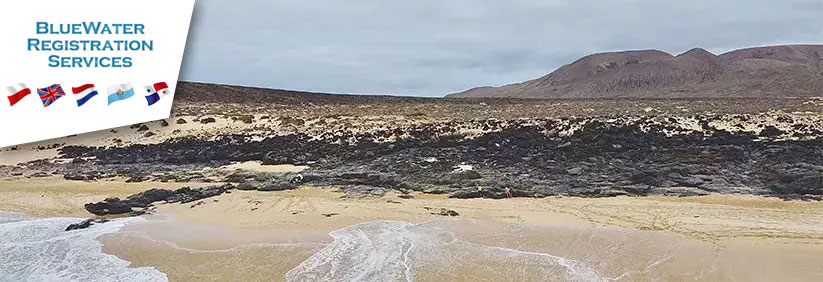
480 86
430 48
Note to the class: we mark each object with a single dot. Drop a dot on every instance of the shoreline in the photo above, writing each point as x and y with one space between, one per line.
712 217
663 255
276 233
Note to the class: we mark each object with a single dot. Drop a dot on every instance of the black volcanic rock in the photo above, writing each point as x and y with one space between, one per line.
79 176
771 131
280 186
244 118
187 195
147 198
109 206
84 224
447 212
590 156
246 186
466 175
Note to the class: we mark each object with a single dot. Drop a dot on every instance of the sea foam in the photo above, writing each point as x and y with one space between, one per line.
39 250
400 251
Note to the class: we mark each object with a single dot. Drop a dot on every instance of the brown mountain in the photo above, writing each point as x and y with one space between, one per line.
775 71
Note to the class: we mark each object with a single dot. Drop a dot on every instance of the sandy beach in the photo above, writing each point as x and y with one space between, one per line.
274 234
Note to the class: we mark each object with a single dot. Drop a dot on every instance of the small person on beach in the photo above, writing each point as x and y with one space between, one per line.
508 192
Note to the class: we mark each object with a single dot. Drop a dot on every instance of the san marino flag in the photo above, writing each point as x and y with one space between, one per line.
156 91
84 93
119 92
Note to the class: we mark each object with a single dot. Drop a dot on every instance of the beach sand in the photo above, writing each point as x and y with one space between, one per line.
255 236
122 136
54 196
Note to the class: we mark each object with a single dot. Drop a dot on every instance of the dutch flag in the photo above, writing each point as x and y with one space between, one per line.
84 93
155 92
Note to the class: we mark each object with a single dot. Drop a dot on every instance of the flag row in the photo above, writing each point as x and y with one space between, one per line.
86 92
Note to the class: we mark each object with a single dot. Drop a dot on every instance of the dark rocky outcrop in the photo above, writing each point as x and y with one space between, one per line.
281 186
109 206
447 212
187 195
85 224
466 175
147 198
82 176
244 119
593 157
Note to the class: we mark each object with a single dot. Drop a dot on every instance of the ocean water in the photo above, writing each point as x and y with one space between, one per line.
440 250
431 251
39 250
472 250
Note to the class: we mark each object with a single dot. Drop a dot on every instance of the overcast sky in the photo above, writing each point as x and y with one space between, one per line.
435 47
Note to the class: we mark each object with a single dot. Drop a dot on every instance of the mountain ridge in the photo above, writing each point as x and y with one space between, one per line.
758 72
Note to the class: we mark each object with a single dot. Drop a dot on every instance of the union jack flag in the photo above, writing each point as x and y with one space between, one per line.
50 94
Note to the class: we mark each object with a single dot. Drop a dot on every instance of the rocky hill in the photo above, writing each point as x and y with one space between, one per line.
775 71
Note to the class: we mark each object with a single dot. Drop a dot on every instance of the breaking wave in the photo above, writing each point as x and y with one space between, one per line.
401 251
39 250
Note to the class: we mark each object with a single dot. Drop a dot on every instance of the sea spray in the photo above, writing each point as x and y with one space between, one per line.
40 250
374 251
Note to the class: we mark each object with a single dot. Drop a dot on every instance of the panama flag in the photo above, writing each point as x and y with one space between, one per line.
156 91
119 92
17 92
84 93
50 94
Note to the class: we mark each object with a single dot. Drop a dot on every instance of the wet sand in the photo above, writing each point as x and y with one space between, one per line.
720 237
459 250
256 236
709 218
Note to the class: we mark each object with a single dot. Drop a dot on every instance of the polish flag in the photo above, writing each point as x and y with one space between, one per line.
17 92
